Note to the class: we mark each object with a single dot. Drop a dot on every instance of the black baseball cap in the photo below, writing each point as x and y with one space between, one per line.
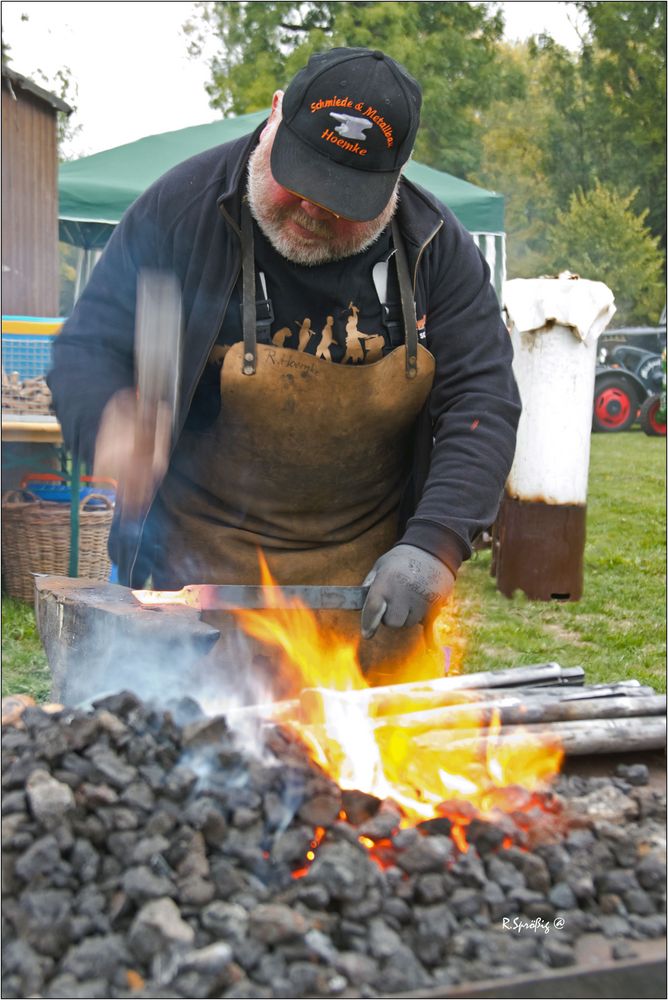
349 123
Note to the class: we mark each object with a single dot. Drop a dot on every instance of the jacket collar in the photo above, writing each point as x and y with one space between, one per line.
418 215
229 202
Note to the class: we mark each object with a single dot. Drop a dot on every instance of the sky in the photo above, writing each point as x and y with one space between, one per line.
131 67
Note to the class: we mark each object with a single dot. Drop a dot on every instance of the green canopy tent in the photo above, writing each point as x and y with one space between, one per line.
96 190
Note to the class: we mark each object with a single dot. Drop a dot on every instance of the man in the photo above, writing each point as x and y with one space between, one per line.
306 421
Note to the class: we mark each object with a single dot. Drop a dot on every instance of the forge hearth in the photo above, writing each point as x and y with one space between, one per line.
147 853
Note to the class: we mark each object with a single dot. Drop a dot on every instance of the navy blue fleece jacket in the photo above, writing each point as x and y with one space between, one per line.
187 222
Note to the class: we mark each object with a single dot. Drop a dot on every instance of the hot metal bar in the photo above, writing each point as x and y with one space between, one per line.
223 597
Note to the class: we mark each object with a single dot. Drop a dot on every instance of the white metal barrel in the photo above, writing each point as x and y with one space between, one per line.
540 531
554 325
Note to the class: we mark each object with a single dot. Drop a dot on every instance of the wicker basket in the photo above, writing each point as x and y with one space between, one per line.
36 539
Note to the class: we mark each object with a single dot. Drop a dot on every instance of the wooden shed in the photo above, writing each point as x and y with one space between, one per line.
30 268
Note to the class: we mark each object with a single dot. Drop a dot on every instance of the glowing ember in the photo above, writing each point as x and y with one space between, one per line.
318 835
459 837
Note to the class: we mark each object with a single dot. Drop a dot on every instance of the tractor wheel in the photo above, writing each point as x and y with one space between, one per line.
615 404
649 420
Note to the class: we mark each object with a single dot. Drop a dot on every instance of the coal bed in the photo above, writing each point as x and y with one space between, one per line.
147 853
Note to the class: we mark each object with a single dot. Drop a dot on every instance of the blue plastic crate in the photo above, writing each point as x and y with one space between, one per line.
30 356
56 489
27 343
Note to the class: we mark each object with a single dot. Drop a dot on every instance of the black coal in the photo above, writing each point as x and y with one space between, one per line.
147 854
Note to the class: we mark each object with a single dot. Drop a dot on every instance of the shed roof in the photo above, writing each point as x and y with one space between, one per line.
21 82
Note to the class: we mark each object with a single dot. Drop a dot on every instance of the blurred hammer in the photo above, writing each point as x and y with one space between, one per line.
158 336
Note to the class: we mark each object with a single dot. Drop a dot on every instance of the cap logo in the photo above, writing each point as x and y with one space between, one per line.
350 127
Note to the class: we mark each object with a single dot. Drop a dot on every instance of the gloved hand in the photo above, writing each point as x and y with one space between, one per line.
406 585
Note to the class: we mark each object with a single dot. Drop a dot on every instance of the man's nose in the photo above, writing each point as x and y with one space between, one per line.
315 211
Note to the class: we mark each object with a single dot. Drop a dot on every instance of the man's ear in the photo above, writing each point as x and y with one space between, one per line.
276 102
275 113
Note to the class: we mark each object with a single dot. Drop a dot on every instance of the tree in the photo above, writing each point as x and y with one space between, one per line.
601 238
64 86
609 107
594 115
513 141
449 47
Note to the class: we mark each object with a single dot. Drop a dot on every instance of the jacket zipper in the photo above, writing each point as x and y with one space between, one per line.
421 251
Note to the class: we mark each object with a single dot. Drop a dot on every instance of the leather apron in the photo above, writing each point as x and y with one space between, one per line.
306 461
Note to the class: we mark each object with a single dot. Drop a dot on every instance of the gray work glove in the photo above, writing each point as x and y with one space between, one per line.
406 586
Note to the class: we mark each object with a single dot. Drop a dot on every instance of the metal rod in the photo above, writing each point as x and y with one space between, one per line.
586 736
390 699
515 712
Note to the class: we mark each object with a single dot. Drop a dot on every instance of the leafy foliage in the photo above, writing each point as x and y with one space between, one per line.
601 238
624 63
582 120
534 121
512 161
450 47
64 86
608 107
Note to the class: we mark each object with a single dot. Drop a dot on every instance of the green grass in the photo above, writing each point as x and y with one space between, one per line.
616 632
24 667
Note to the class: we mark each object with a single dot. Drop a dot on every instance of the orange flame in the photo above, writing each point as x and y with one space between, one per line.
385 741
310 655
363 747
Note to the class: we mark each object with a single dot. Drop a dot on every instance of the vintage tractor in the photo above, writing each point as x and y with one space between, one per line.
653 410
627 377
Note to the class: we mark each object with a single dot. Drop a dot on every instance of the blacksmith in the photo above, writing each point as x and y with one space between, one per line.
366 429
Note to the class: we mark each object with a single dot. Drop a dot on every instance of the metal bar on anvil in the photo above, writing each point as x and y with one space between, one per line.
91 629
233 597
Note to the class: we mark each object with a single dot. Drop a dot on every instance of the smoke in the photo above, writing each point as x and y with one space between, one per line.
168 660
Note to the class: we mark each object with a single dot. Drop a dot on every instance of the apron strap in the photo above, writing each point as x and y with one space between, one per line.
391 311
407 301
264 312
248 310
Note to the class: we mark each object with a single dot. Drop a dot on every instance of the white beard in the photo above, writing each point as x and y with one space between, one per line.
271 218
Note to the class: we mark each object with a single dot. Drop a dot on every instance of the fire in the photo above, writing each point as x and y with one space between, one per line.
318 836
310 656
458 835
433 751
380 745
